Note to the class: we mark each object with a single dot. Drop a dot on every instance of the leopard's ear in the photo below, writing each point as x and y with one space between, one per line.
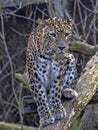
71 22
41 22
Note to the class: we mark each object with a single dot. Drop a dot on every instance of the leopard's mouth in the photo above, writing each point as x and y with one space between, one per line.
62 51
58 51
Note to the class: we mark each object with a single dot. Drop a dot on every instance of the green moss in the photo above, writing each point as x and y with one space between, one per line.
75 124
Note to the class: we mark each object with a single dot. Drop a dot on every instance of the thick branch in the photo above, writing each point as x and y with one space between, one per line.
8 126
84 48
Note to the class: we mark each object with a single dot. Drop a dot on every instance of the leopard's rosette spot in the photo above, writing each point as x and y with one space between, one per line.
46 120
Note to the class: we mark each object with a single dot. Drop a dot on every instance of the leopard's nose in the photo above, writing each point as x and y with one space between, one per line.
61 47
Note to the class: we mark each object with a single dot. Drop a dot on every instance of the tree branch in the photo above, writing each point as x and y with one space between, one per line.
8 126
81 47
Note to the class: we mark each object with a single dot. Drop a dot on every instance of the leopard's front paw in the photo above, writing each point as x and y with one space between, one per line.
46 120
59 112
69 93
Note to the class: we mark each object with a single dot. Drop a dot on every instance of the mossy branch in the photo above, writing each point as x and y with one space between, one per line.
81 47
9 126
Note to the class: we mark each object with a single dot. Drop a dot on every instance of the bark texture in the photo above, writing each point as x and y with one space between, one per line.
83 48
8 126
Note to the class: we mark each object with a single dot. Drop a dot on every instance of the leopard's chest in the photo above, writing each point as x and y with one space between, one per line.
48 70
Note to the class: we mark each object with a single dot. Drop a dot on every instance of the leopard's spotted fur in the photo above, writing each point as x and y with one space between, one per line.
48 64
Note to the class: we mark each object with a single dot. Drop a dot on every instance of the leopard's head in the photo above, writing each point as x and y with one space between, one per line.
55 35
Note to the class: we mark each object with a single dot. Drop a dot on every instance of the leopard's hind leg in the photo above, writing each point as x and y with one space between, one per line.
56 106
40 98
55 94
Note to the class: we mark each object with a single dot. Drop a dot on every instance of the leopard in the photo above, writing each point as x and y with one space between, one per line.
50 65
